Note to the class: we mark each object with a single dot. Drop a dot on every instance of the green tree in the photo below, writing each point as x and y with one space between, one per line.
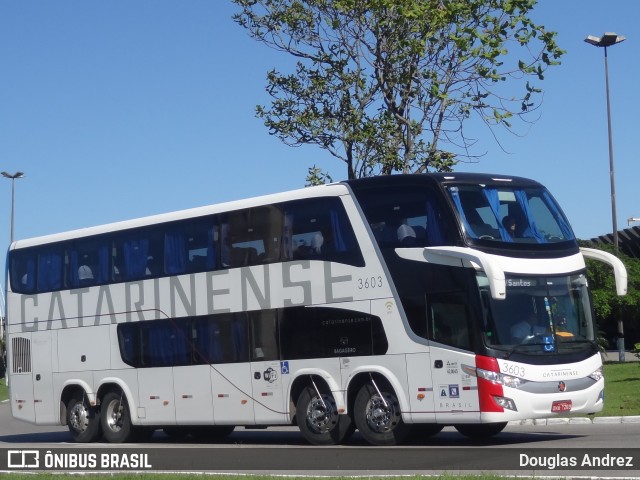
387 85
607 305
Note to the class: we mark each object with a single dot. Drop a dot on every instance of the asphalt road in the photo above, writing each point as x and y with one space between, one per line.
519 450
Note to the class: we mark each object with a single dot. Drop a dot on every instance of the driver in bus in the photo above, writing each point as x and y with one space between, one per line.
510 224
528 327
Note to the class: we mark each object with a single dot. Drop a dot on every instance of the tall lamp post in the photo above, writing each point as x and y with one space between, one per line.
607 40
13 178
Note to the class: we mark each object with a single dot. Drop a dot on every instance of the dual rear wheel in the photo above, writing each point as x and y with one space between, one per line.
376 414
112 421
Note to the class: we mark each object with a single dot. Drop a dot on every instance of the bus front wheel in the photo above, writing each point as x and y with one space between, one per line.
480 431
116 418
378 416
318 419
83 420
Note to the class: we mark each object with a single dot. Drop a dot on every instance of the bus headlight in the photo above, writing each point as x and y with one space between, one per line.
597 375
500 378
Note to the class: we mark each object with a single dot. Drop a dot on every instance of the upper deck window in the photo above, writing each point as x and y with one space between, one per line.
408 216
510 214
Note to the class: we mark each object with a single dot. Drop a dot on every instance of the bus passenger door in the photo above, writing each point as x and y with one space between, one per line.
455 391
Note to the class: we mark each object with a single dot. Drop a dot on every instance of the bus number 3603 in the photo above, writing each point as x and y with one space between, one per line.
369 282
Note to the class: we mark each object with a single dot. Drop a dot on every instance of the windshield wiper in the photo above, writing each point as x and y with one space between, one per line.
516 347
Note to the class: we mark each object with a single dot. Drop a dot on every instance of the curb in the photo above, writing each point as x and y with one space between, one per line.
577 420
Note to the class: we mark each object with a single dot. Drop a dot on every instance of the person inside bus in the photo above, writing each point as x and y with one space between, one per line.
527 327
406 236
510 224
85 275
317 243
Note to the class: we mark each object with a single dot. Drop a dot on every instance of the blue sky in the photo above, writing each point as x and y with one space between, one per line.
119 109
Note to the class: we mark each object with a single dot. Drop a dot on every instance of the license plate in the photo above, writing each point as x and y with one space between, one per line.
561 406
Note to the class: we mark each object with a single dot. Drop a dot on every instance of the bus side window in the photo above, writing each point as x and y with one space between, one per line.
23 271
165 343
50 269
450 324
320 230
89 263
137 256
264 335
221 338
190 247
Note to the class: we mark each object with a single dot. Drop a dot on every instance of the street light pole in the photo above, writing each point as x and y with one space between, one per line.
607 40
13 178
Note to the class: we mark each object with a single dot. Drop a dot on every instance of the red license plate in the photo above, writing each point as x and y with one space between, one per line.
561 406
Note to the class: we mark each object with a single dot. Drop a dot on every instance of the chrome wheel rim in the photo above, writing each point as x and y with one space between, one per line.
321 414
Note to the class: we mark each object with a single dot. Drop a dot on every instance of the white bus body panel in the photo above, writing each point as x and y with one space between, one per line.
42 357
193 395
550 377
420 388
232 394
455 392
156 396
269 385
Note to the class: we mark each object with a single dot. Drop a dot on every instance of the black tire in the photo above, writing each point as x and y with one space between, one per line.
211 433
83 420
318 419
379 419
115 418
480 431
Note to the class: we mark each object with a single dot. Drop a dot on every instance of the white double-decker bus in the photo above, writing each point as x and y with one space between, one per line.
388 304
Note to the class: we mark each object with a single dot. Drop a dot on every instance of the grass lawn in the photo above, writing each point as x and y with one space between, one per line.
621 387
4 391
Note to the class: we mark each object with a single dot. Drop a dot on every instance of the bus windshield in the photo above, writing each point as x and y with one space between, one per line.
510 214
540 315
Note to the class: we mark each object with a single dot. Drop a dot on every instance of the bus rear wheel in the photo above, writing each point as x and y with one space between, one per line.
318 419
378 416
116 418
83 420
480 431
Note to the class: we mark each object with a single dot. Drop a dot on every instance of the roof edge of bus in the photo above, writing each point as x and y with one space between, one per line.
443 177
334 189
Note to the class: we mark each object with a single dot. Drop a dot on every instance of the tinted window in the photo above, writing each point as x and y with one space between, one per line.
191 246
302 229
318 229
314 332
510 214
408 217
291 333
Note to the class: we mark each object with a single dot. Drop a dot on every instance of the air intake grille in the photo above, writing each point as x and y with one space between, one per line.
21 355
